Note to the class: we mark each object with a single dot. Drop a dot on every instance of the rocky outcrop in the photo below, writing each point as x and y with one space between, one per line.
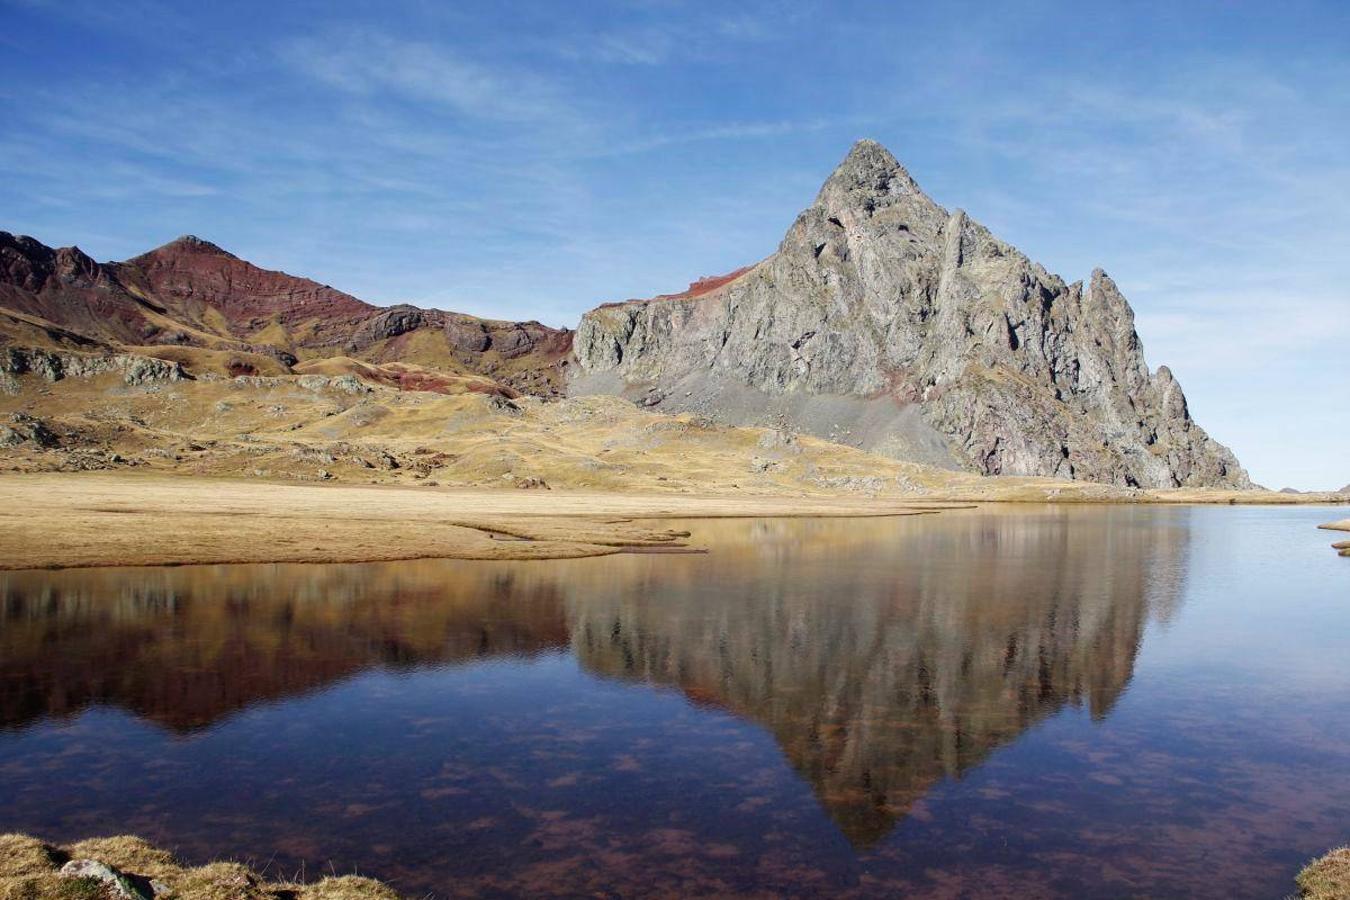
56 365
21 428
886 322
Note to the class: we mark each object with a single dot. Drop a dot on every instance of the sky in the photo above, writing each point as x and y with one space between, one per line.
528 160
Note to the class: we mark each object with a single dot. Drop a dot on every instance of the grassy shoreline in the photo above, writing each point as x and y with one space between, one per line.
33 870
62 520
1327 877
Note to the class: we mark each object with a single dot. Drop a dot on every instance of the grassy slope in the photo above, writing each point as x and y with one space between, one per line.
318 428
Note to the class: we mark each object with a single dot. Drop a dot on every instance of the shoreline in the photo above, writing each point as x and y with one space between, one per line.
101 519
93 520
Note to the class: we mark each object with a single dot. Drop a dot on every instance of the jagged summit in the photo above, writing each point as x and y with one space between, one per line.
889 323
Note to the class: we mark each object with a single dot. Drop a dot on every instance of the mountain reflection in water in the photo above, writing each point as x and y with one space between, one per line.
877 673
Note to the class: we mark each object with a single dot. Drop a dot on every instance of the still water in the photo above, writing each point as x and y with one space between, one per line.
1073 702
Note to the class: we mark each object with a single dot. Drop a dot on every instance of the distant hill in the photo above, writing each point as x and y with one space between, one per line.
191 294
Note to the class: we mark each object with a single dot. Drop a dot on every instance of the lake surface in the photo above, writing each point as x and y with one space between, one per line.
1074 702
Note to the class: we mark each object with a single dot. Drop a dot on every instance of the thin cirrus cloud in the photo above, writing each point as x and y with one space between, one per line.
371 65
661 43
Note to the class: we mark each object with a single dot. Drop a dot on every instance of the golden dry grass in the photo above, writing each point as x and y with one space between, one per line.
347 887
125 852
298 428
1327 878
415 474
24 855
95 519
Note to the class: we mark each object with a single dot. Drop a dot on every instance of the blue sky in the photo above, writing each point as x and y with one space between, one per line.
531 159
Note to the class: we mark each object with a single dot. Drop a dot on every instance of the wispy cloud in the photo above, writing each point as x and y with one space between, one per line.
1212 332
663 40
369 64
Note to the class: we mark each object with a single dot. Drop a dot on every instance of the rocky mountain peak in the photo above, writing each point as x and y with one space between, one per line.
191 244
870 200
890 324
867 179
22 244
869 165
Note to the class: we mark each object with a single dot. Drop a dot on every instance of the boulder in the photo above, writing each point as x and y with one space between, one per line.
113 882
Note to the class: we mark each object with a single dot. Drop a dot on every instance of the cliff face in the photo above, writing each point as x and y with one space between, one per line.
886 322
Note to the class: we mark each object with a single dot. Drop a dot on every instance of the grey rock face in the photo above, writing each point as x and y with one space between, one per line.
886 322
391 323
56 365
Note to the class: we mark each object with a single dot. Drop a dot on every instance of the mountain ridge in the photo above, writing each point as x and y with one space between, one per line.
191 293
883 321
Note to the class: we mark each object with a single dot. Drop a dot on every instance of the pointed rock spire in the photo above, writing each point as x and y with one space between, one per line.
869 182
869 169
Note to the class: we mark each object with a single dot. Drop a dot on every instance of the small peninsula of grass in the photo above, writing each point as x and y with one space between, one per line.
129 867
1326 878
